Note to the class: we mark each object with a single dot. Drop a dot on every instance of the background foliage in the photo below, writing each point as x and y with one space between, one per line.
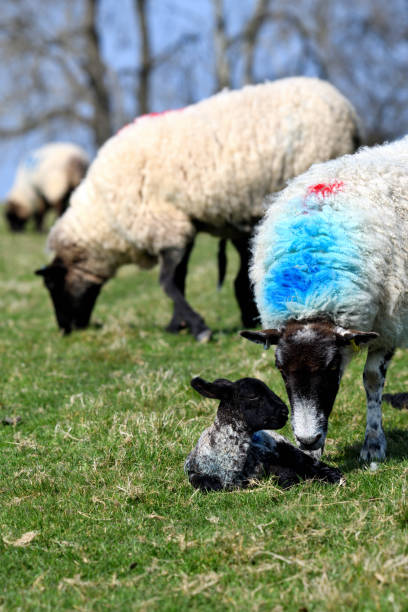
79 70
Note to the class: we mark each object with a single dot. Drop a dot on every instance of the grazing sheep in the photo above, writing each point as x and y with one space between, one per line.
44 180
330 271
207 167
235 450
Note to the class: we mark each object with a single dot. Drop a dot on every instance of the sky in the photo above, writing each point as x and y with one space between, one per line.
368 56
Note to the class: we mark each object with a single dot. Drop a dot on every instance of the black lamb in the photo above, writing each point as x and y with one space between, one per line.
236 449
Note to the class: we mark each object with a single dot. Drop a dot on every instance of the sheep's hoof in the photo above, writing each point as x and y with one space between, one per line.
204 336
374 448
174 327
367 455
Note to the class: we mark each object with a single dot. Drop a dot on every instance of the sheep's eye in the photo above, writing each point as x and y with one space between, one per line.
251 396
334 365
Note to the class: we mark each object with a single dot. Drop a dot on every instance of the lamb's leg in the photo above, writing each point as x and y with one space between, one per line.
170 259
243 290
289 463
178 321
375 370
305 466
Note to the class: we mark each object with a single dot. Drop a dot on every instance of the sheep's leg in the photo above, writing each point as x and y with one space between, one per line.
170 260
243 290
178 321
375 370
39 220
40 213
62 205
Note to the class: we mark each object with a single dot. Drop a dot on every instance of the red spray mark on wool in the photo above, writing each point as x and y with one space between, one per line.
325 189
322 190
148 115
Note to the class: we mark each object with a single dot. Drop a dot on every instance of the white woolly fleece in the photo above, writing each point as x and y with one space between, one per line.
44 171
213 162
334 243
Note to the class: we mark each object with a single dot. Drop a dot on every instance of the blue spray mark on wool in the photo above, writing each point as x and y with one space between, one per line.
313 259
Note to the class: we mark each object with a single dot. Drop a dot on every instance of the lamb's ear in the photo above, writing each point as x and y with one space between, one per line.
219 389
354 336
265 336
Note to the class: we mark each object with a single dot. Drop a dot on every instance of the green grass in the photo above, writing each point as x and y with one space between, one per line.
94 471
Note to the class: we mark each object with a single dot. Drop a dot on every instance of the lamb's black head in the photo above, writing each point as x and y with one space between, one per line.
247 401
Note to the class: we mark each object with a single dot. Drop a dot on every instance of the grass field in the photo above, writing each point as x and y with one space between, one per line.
96 512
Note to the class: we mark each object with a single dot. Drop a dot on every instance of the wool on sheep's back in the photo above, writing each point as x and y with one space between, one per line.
315 259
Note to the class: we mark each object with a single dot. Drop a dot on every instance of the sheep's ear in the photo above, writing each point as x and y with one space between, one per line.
51 271
354 337
219 389
41 271
267 337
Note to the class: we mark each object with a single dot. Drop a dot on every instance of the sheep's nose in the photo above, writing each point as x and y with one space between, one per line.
310 443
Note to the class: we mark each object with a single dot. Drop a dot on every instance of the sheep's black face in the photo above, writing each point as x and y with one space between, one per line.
247 401
311 367
15 220
311 356
72 295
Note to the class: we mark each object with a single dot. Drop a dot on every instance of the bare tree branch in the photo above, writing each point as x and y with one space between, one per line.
250 35
95 70
146 59
32 123
164 56
221 44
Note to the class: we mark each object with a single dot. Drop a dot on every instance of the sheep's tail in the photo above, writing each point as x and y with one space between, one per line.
222 262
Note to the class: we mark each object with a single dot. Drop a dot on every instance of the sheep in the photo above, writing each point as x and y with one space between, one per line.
207 167
329 268
45 179
236 449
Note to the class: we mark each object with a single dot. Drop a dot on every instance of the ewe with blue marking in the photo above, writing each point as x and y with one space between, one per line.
330 271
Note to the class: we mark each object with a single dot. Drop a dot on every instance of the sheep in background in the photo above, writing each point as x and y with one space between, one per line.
235 450
207 167
330 271
45 179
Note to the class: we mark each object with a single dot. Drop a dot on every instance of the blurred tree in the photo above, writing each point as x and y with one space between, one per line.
57 69
247 36
81 69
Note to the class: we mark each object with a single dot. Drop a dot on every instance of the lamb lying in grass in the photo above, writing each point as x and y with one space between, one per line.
235 449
